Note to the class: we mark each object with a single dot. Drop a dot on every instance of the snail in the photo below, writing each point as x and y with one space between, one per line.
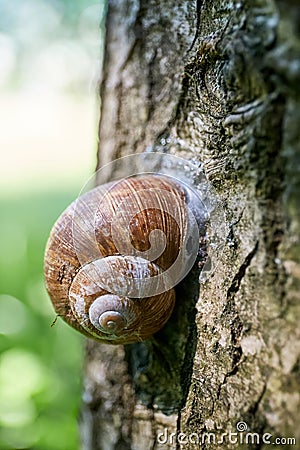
114 256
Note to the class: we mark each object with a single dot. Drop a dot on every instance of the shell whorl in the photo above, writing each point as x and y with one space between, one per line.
110 314
103 286
114 256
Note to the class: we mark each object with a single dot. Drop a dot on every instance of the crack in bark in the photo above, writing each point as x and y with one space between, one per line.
198 24
151 85
231 314
254 408
236 282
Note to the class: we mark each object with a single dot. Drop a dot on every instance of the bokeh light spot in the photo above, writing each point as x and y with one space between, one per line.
13 315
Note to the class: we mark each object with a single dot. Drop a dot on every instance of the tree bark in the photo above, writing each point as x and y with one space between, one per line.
217 83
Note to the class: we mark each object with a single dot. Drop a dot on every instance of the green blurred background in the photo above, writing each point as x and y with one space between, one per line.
50 52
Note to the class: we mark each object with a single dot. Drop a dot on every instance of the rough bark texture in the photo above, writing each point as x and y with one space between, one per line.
216 82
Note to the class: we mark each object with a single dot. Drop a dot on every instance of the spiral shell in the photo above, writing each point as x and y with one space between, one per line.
114 256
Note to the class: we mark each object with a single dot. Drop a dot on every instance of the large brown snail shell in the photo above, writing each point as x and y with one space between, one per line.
115 254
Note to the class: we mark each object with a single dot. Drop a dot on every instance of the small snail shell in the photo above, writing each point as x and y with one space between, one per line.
114 256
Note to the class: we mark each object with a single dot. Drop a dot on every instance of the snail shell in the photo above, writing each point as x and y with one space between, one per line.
116 253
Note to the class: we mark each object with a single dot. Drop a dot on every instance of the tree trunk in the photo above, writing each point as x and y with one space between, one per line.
218 83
